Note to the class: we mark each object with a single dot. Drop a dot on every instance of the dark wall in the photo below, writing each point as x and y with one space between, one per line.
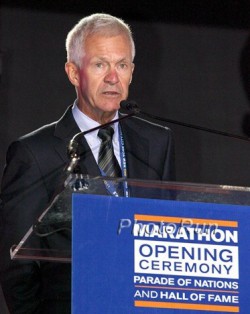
193 73
183 72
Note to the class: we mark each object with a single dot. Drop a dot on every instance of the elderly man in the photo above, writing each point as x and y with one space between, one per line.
100 53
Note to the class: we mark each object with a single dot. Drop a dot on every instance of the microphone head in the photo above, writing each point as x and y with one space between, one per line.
130 105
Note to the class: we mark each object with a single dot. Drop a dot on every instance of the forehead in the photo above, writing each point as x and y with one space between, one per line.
105 46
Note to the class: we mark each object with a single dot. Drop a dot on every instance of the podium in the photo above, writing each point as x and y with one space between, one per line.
170 247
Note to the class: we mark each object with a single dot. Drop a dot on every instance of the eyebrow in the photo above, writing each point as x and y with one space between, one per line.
106 60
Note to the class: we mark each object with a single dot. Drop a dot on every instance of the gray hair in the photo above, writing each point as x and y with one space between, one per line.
104 24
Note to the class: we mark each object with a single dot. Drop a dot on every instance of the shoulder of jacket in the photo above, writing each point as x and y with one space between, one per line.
147 125
44 131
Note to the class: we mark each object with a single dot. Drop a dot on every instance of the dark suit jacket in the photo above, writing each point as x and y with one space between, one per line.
33 172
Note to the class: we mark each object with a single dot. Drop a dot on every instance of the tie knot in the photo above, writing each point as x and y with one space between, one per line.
106 134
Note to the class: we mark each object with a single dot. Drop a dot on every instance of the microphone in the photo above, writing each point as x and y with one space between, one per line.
132 106
74 143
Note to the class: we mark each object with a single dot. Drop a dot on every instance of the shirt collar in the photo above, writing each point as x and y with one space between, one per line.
86 123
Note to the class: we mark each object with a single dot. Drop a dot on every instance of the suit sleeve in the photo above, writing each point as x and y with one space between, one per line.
23 197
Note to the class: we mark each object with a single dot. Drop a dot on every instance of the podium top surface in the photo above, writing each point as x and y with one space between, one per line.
56 219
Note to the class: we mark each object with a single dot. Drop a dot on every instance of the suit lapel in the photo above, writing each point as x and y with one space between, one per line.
65 129
137 150
87 161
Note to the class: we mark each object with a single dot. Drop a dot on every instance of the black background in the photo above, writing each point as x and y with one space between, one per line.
192 65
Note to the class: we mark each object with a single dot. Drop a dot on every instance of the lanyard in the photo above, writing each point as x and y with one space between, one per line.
123 162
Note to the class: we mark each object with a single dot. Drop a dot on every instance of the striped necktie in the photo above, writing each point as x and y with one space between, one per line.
106 159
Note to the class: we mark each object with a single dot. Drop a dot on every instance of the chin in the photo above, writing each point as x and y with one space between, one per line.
112 105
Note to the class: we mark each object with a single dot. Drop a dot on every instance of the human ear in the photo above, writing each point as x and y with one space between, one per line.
72 72
132 71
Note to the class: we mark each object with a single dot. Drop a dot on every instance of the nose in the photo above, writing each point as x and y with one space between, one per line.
111 77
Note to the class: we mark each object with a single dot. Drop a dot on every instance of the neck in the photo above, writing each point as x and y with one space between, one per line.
103 117
99 116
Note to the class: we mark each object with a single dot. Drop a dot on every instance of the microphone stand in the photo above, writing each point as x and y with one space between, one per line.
45 227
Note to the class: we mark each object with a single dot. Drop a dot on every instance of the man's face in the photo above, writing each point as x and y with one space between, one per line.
105 75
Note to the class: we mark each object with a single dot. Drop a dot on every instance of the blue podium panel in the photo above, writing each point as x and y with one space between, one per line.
134 255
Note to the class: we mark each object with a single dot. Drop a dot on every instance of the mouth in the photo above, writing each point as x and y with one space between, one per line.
111 93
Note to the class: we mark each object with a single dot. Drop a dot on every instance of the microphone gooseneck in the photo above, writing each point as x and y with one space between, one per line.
74 143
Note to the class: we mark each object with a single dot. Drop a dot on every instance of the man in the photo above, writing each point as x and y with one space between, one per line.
100 53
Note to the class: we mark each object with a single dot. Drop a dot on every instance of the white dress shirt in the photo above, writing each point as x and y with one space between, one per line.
86 123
